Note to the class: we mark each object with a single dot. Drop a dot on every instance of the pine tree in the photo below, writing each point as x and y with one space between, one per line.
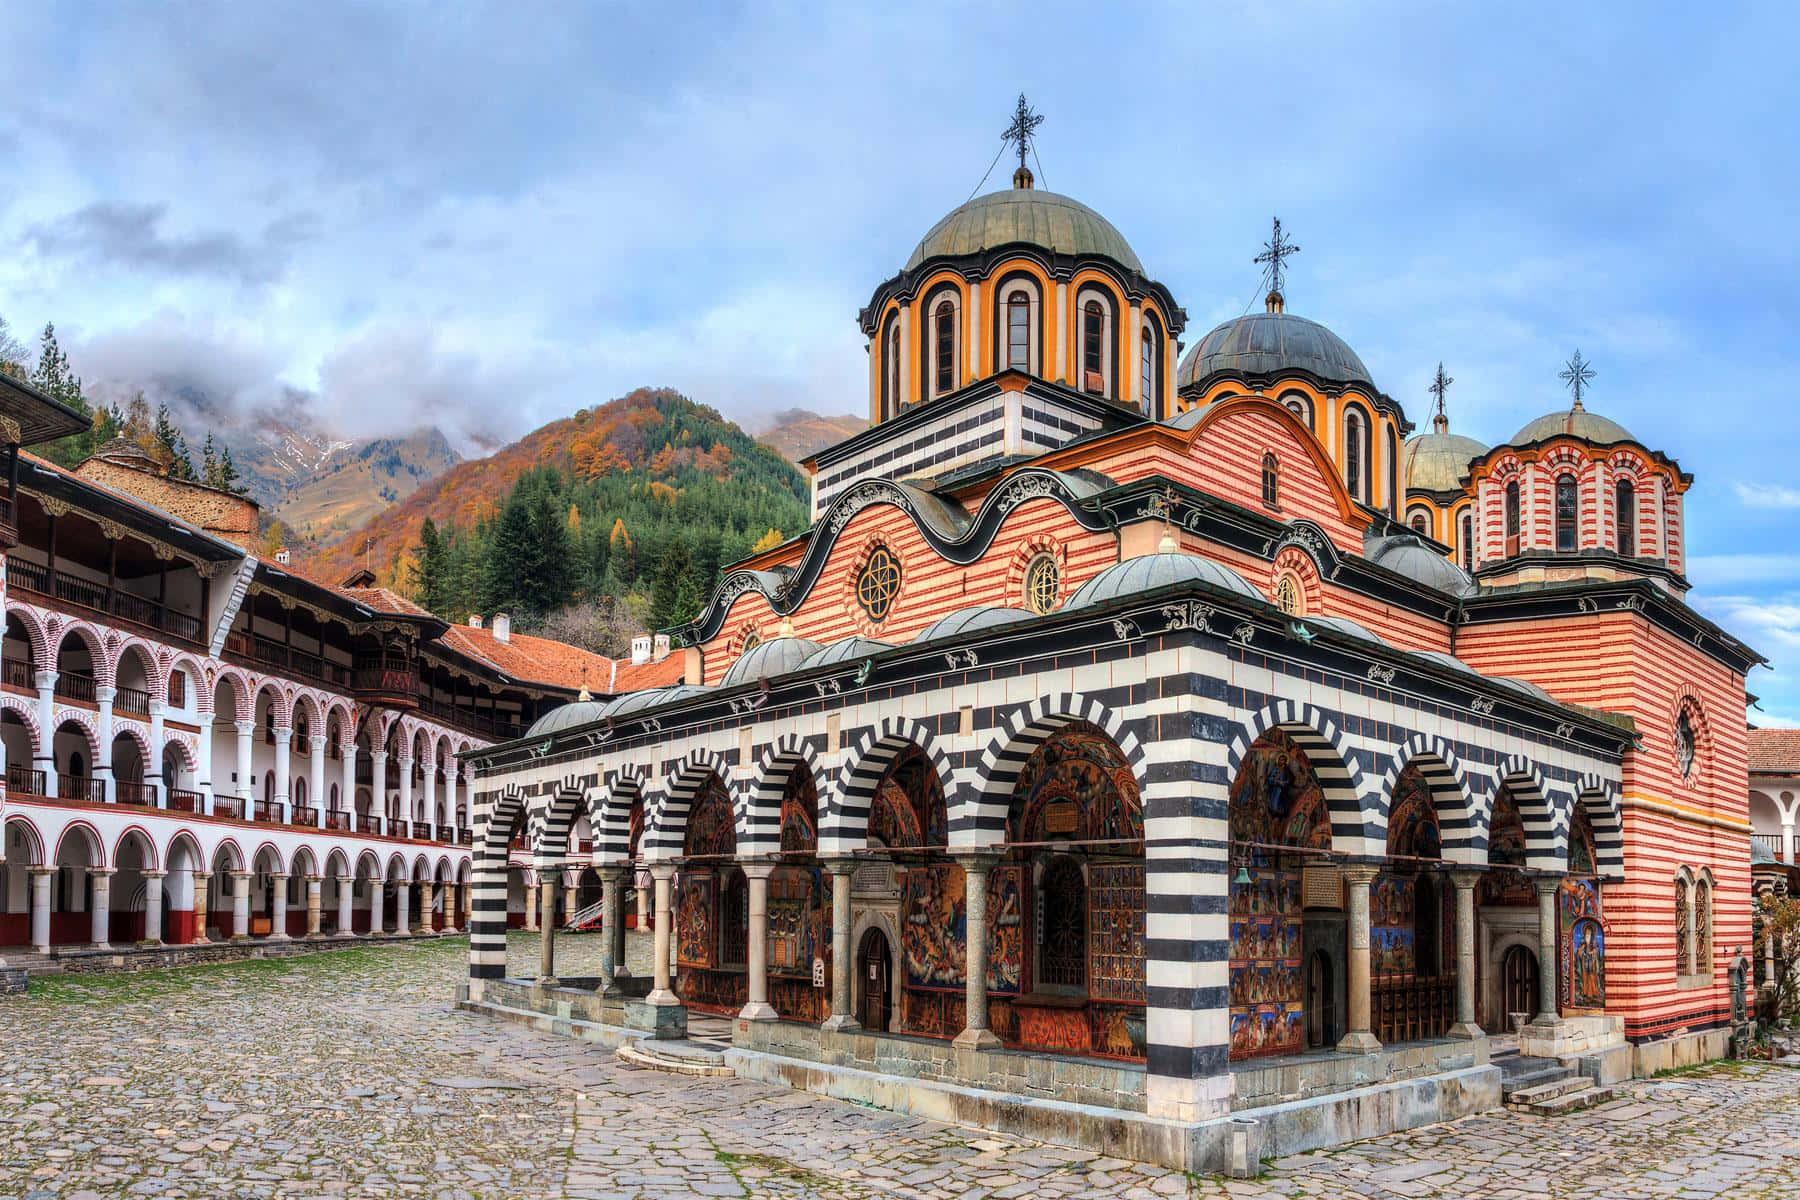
509 556
216 468
56 379
174 452
433 569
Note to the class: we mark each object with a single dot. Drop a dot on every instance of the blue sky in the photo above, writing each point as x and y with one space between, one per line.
486 217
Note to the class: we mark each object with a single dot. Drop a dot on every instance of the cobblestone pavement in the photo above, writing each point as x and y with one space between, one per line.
348 1074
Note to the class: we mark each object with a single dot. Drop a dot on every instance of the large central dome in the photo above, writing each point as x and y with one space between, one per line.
1269 343
1025 214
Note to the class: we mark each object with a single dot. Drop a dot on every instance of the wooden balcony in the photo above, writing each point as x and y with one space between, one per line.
80 787
181 800
64 590
387 679
130 792
25 781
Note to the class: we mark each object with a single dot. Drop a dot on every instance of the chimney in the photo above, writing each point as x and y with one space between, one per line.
502 627
640 649
662 647
284 556
474 620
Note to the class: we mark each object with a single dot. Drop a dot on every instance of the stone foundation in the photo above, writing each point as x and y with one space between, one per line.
1571 1037
13 980
1682 1050
574 1009
80 961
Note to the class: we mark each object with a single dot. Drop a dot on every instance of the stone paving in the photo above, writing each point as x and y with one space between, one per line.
347 1074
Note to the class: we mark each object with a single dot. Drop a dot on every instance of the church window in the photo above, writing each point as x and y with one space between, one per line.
1625 501
1288 597
1271 481
890 395
1093 348
1356 460
1686 745
1568 513
1018 331
1299 406
1684 925
1393 471
1147 369
1420 525
944 335
1468 541
1512 518
1042 580
878 583
1063 963
1703 948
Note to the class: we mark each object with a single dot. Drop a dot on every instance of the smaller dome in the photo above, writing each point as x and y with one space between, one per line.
968 620
1761 855
1148 572
578 712
1524 685
844 650
777 656
1344 626
1408 555
1573 422
1028 215
1437 462
1445 660
636 701
1269 343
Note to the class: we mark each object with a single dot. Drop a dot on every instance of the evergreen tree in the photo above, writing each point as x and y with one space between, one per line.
174 447
216 468
509 555
56 379
433 569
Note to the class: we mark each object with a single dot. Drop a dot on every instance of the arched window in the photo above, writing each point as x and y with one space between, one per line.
943 334
1568 514
1467 536
299 786
1271 481
1288 597
1512 518
890 379
1063 963
1703 921
1420 525
1684 924
1686 744
1147 369
1018 331
1625 504
1093 348
1042 581
1300 406
1356 456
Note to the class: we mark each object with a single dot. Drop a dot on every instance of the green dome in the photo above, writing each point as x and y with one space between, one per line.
1573 422
1437 462
1028 215
1269 343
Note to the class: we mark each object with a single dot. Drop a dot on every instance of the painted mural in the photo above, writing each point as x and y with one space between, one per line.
1581 979
1276 801
1077 786
908 809
936 921
711 828
695 931
1506 848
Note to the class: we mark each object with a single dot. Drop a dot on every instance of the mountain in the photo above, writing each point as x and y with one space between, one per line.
799 432
650 490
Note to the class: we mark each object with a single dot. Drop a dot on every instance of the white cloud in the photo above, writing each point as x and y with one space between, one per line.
1767 495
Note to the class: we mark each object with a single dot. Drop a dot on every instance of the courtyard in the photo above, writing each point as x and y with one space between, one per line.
348 1074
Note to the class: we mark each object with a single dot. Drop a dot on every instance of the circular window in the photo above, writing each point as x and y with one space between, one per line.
1288 597
879 583
1042 580
752 640
1685 746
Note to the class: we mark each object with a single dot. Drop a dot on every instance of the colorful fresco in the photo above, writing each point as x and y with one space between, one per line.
1276 801
1116 932
1413 830
694 919
711 828
1506 848
799 919
1581 979
934 924
1076 785
908 808
800 814
1581 844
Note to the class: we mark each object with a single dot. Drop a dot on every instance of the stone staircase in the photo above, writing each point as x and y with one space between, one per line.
1546 1088
30 962
674 1057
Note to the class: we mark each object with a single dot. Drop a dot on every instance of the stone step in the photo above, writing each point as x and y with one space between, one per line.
1543 1071
661 1056
1568 1102
1538 1093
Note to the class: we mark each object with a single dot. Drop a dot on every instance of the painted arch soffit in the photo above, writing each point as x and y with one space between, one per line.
958 538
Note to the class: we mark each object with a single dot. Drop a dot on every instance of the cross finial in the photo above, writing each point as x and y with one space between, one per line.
1577 373
1440 383
1274 255
1020 131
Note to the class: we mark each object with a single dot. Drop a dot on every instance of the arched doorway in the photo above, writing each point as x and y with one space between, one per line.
874 965
1411 916
709 954
1518 983
1322 1030
1507 915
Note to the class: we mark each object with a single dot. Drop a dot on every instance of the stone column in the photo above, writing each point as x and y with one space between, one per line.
427 903
153 907
841 871
284 771
611 925
202 884
246 794
402 903
152 769
278 918
976 1035
756 875
377 894
1361 1038
1787 843
315 783
103 729
547 949
378 785
1466 1026
1546 887
531 905
40 907
571 895
240 906
313 897
346 912
645 908
347 784
430 800
406 805
101 878
203 773
660 992
45 758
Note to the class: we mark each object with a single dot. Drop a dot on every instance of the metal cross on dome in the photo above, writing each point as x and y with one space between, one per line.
1275 251
1577 373
1024 125
1440 383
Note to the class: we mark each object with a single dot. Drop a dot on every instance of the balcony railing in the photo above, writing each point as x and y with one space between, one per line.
80 787
270 811
24 781
446 833
132 700
1772 842
73 686
85 593
337 820
368 823
465 837
228 806
20 675
181 800
269 652
499 728
390 675
130 792
305 814
421 831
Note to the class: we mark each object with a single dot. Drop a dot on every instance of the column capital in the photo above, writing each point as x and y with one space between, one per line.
197 873
1363 873
240 874
315 879
662 870
105 693
614 872
101 872
245 728
1466 878
154 874
40 872
1546 885
281 875
982 858
45 679
761 867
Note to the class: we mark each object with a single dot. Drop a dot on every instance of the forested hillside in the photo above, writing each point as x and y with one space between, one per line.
615 519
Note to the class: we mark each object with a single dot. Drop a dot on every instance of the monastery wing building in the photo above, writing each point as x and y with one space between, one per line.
1163 737
201 746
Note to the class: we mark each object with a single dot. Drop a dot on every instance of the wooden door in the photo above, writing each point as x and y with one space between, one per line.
1518 984
873 972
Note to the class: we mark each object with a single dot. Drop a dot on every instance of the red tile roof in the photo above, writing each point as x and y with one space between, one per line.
1775 751
536 659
